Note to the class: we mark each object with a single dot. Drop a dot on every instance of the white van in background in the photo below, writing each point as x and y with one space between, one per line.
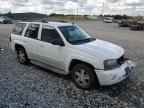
108 19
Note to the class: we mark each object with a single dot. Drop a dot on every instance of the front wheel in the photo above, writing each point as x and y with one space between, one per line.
22 56
83 76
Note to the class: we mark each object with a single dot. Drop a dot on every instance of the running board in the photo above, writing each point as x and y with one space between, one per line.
49 67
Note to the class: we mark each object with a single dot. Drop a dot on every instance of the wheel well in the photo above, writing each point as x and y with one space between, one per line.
18 46
74 62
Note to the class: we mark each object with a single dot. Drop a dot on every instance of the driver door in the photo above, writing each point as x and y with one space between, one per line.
50 54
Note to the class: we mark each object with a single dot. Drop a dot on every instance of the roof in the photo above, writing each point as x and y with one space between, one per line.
52 23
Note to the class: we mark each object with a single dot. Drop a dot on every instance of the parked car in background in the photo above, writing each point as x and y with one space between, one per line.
116 20
108 19
126 23
5 20
137 26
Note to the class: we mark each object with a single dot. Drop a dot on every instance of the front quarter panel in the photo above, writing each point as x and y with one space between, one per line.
72 54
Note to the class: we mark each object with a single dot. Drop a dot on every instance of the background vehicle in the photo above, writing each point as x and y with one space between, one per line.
116 20
124 23
127 23
108 19
137 26
5 20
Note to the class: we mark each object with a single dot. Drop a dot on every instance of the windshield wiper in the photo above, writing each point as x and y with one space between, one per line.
89 39
84 40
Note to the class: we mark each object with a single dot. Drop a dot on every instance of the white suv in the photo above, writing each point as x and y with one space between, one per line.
66 48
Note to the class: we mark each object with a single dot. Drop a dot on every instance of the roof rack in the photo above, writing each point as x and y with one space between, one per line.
46 21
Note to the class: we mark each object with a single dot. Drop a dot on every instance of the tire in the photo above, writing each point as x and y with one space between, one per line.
83 76
22 56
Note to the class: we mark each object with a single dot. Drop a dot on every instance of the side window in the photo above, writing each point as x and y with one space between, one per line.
19 28
49 34
32 31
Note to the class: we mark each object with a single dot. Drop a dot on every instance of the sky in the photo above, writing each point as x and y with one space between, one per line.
85 7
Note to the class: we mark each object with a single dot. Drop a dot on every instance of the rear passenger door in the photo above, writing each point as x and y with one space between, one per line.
31 40
53 55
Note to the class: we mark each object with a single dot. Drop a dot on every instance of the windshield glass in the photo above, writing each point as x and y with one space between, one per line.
75 35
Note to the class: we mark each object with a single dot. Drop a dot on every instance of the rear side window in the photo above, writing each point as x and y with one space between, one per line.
19 28
49 34
32 31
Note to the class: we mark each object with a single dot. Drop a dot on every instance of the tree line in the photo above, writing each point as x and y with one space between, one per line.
13 16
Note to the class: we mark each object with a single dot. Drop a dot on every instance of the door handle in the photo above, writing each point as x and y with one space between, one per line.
41 46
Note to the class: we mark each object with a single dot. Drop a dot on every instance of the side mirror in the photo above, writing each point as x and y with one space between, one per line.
58 42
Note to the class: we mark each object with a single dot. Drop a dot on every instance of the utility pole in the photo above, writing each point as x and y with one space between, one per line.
103 8
77 7
76 14
77 10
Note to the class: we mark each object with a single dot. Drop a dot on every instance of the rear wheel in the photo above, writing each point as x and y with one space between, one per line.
83 76
22 56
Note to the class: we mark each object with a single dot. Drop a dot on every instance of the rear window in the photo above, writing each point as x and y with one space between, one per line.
32 31
19 28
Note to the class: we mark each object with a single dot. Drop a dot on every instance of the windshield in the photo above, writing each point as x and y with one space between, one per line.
108 18
75 35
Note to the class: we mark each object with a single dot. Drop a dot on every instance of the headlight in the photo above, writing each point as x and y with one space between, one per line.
110 64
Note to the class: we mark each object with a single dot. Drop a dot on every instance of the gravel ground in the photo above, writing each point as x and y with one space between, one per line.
33 87
29 86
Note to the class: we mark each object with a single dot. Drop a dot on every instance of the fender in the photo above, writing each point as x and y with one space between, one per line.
96 63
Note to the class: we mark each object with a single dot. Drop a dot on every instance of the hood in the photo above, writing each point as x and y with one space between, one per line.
100 48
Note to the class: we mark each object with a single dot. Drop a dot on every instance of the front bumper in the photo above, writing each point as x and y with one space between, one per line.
109 77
